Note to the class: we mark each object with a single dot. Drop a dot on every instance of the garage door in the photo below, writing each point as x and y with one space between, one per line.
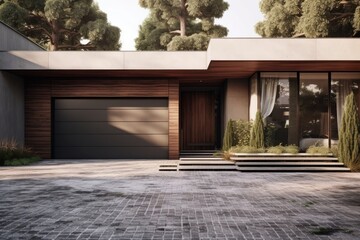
126 128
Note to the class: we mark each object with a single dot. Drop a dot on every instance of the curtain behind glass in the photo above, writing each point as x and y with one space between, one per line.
268 96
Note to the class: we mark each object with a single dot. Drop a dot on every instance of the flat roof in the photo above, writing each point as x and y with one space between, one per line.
227 55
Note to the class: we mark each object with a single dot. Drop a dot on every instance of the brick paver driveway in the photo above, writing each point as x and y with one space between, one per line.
133 200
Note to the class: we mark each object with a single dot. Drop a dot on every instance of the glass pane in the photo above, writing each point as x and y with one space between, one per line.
313 106
277 98
341 85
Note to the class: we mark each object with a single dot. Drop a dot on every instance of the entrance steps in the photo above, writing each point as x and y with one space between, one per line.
206 161
287 163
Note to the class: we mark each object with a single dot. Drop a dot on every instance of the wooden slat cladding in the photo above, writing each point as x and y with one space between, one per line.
38 117
174 119
109 88
38 94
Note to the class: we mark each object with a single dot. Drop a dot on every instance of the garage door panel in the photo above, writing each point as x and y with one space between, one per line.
111 141
118 128
112 115
124 103
133 128
111 153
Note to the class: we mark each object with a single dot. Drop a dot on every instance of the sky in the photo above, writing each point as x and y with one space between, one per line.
240 18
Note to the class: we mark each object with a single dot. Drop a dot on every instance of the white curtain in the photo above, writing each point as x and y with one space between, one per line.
343 89
268 96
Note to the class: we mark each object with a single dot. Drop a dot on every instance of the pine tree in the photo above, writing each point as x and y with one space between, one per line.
349 132
228 136
257 132
176 25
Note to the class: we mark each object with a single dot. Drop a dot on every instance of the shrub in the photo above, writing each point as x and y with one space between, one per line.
228 136
293 149
270 132
257 132
349 133
10 150
246 149
276 149
318 150
241 134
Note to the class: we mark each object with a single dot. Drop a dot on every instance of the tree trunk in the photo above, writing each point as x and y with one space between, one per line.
55 35
182 19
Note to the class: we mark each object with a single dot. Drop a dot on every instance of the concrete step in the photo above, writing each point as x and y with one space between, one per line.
168 169
290 164
198 156
293 169
280 155
209 163
285 159
201 159
207 168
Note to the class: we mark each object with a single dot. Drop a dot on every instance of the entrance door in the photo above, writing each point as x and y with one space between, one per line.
198 120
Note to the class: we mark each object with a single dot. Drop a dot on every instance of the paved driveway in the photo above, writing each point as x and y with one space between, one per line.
133 200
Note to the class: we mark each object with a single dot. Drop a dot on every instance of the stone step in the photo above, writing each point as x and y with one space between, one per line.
201 159
293 169
280 155
207 168
168 169
285 159
290 164
209 163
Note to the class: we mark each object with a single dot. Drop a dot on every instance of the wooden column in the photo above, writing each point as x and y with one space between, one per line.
174 147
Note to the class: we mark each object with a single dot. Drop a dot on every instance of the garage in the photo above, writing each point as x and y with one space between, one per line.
110 128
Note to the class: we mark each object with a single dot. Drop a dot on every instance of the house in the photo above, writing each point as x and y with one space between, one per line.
154 105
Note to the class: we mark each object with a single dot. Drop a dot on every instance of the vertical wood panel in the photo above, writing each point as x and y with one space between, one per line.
38 117
173 119
38 94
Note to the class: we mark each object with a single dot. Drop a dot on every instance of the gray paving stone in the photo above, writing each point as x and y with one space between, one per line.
133 200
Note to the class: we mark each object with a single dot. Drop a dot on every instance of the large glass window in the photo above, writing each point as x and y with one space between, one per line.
278 107
342 84
314 109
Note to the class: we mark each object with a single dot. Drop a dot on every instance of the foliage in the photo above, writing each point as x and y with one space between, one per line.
241 134
21 161
349 142
269 132
180 24
62 24
246 149
309 18
318 150
228 136
9 150
283 149
257 132
293 149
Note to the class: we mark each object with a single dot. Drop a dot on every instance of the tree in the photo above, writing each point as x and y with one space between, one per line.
309 18
228 136
257 132
62 24
180 24
349 133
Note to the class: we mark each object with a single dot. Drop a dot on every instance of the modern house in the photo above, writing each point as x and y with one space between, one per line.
141 105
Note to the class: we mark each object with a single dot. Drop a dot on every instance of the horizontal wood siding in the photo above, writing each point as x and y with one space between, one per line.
174 120
38 117
38 94
109 88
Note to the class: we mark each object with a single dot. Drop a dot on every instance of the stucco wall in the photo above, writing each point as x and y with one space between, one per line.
12 40
236 100
11 107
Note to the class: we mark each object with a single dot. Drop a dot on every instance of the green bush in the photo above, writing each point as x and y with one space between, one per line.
293 149
246 149
21 161
10 150
257 132
318 150
349 132
276 149
228 136
241 134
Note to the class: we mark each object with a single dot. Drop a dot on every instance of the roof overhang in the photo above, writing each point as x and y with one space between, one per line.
225 58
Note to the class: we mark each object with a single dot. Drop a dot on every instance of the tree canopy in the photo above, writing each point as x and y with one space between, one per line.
309 18
180 24
62 24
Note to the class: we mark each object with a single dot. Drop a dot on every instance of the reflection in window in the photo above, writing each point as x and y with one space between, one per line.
313 105
342 84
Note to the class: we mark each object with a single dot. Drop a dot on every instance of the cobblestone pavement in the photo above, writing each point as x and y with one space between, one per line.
133 200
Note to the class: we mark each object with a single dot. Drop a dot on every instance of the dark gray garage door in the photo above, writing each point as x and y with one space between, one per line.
134 128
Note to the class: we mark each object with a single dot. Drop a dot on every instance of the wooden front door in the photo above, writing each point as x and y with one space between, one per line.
198 120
